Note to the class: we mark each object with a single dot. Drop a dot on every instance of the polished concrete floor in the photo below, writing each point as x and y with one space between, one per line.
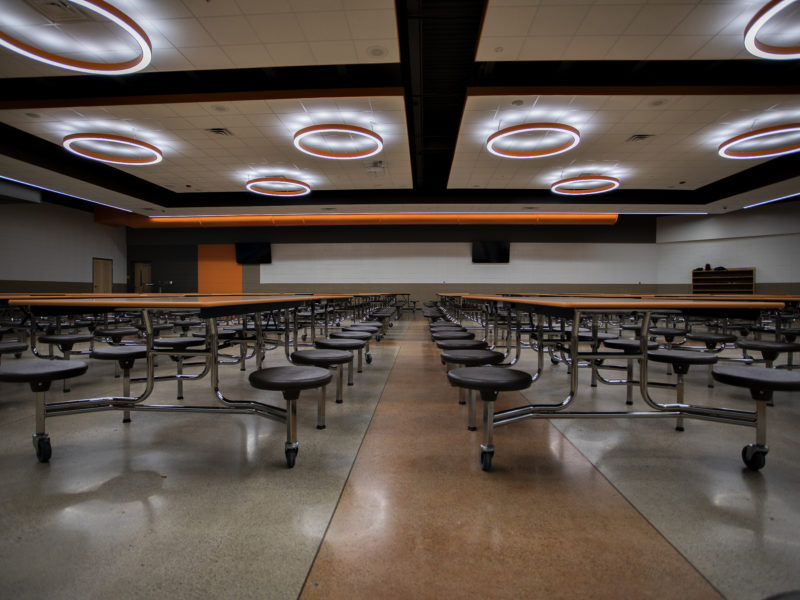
389 500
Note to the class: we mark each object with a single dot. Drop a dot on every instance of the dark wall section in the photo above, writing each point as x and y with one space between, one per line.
169 262
633 229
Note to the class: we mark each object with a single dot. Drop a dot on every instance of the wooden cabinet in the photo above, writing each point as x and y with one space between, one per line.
727 281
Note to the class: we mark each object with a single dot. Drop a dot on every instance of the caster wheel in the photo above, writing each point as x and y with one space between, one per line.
18 355
43 450
378 338
754 457
291 457
391 324
486 461
303 337
554 361
368 358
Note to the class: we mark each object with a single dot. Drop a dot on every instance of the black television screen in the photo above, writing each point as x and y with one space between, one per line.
253 253
490 252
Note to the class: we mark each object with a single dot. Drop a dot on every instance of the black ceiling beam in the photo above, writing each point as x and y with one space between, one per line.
438 40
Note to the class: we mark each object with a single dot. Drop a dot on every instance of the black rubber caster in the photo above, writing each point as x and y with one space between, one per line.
17 355
378 338
391 324
43 450
754 457
291 457
303 337
486 460
368 358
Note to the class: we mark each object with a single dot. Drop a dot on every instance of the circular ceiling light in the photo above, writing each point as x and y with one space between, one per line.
504 134
757 23
120 68
375 141
727 149
112 149
278 186
585 185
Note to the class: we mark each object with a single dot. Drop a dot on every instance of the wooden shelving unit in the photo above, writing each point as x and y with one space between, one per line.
729 281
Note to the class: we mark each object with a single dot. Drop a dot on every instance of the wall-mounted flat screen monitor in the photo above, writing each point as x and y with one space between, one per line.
253 253
491 252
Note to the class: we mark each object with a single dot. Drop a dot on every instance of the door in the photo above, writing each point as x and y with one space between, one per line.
142 277
102 269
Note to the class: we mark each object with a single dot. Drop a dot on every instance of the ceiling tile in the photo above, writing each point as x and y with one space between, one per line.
324 26
372 24
249 56
657 19
586 47
544 48
277 29
207 57
607 20
234 30
508 21
557 20
291 54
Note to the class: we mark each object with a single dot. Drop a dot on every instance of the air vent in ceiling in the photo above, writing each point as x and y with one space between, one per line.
638 137
219 131
60 12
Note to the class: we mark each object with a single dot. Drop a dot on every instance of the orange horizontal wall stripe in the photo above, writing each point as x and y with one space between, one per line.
141 222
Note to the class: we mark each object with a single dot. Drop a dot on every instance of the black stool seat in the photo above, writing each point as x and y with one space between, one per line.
351 335
668 333
39 373
120 353
65 341
340 343
322 357
177 343
489 378
445 325
454 335
629 346
12 347
156 327
473 358
758 378
601 336
790 333
461 344
681 360
712 339
769 350
365 326
362 330
290 378
116 333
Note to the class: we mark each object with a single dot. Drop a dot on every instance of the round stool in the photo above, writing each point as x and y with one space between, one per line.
178 345
15 348
489 381
125 357
769 350
629 347
65 343
761 381
355 335
470 358
290 380
461 344
344 344
320 357
453 335
681 360
39 374
114 335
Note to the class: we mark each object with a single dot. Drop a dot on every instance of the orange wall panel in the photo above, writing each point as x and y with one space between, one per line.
217 269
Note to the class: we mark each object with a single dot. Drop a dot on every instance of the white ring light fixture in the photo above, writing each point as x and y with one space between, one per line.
598 184
278 186
375 147
762 17
727 149
112 14
491 143
73 144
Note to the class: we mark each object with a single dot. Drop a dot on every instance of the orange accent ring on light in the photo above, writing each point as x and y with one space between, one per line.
726 151
334 128
112 14
71 143
301 188
526 127
604 184
762 17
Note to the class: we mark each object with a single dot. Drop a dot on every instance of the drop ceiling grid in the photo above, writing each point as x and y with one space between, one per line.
196 34
685 130
219 163
631 30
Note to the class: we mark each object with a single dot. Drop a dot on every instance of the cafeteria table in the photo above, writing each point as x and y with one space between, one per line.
573 309
209 308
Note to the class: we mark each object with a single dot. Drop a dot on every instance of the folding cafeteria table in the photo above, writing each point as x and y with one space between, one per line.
209 307
574 309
